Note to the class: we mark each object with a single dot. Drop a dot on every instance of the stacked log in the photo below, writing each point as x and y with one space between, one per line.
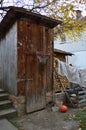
57 84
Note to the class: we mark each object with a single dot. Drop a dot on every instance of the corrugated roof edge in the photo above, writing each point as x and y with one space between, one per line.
15 13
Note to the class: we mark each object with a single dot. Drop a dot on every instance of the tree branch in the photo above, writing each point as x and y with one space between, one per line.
5 8
1 1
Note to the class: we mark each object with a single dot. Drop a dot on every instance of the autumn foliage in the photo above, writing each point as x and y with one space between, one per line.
64 10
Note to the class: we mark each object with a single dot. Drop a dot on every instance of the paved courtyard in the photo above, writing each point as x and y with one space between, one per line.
48 120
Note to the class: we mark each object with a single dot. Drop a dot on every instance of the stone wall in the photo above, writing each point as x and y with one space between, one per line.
19 104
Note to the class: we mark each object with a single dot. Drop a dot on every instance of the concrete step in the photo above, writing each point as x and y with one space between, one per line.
6 125
5 104
1 90
8 113
4 96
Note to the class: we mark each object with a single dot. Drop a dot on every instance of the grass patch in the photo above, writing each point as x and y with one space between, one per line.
16 124
80 116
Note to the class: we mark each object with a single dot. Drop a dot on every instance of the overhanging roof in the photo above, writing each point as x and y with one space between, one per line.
15 13
58 51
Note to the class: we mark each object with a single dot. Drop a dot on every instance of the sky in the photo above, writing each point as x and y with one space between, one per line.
84 13
81 7
78 6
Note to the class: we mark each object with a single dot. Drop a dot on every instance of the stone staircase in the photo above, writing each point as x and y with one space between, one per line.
6 107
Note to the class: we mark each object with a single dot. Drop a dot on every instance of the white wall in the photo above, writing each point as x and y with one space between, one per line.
71 47
78 48
79 45
78 59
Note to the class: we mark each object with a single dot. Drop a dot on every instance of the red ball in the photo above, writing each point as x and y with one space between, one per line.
63 108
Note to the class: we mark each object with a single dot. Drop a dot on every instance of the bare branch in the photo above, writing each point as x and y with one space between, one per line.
5 8
1 1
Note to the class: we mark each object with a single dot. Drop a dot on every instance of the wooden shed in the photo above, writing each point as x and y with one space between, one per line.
61 55
26 52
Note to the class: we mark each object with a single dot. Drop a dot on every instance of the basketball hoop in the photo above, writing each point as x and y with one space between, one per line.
43 57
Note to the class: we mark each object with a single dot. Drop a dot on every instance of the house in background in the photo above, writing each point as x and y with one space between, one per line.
78 48
26 53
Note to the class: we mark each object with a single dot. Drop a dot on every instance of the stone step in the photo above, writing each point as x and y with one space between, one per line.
4 96
6 125
5 104
8 113
1 90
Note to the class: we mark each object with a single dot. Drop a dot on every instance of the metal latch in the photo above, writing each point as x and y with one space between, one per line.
21 80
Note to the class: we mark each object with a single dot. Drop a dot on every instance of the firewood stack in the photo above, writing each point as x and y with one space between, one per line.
57 84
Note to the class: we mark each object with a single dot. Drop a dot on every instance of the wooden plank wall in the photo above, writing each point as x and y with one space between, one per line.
39 42
8 61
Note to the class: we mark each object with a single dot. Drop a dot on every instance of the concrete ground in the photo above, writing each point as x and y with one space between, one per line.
48 120
6 125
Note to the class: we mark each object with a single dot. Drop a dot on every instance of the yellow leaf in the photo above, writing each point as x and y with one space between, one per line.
38 1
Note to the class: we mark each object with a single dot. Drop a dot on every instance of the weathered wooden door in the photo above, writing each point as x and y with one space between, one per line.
35 72
34 77
35 91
